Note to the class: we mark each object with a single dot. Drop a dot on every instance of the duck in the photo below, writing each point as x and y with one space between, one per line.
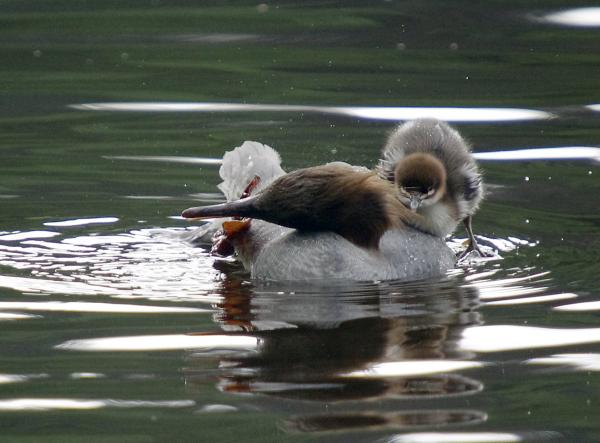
436 175
328 222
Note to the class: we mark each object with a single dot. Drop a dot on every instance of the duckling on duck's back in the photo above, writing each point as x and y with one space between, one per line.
435 173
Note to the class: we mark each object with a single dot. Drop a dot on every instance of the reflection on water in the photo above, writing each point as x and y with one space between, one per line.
365 345
394 420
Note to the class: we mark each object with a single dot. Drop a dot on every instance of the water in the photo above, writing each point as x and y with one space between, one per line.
117 329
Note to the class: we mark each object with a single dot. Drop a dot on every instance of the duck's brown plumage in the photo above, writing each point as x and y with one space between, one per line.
356 204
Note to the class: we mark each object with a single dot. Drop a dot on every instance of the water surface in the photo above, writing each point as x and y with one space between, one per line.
113 118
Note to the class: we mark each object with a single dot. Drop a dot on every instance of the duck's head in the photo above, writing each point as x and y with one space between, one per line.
421 180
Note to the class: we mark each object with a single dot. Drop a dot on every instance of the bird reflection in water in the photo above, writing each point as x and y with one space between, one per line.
321 345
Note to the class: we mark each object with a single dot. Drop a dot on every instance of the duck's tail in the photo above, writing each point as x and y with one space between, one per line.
243 164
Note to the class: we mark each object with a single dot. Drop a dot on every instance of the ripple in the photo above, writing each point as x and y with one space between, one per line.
17 236
529 300
580 362
456 437
499 338
83 221
9 316
397 420
86 375
578 17
156 264
167 159
449 114
50 404
511 287
13 378
115 308
580 307
559 153
207 343
413 367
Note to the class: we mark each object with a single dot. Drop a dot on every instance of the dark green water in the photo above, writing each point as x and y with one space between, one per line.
463 357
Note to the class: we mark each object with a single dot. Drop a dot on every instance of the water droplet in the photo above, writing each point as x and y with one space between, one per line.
453 46
37 53
334 151
589 172
526 220
401 46
262 8
124 56
526 178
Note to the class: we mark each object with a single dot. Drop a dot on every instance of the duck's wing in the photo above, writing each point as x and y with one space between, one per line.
243 164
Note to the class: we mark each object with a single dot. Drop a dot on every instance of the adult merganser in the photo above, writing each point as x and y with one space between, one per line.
436 176
336 238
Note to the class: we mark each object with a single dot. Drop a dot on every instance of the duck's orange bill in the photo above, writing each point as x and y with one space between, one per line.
235 227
